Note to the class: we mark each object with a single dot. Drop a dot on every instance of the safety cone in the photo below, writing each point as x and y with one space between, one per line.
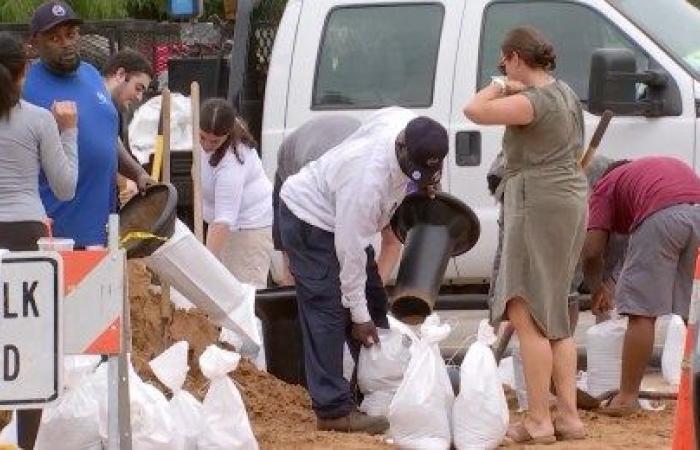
683 427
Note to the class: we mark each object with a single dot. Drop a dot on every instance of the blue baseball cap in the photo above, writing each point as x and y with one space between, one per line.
53 13
427 145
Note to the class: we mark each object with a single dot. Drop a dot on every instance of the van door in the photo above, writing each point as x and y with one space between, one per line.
576 29
356 56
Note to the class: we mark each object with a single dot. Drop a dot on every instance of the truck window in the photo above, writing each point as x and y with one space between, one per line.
574 30
376 56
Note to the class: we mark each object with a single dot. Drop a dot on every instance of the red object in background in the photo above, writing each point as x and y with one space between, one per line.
162 53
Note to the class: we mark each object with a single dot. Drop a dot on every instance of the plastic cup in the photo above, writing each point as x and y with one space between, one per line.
55 244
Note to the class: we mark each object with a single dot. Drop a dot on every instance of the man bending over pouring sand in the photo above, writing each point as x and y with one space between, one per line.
656 201
329 213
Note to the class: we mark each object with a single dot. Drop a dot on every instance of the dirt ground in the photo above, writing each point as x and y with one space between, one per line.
644 430
281 414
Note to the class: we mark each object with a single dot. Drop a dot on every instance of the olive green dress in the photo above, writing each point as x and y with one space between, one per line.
545 209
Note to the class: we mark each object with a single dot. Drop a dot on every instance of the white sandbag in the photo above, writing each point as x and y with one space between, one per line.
152 424
72 421
193 270
143 128
506 373
226 422
519 380
480 413
604 355
672 356
380 370
233 338
170 367
348 363
421 411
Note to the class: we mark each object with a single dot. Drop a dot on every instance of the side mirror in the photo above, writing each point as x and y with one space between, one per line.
613 85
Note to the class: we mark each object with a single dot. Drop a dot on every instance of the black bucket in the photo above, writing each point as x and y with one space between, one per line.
152 213
433 230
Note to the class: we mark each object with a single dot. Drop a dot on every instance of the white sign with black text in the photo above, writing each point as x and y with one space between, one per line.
31 347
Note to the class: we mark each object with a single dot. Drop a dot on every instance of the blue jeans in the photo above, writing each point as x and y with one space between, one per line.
325 323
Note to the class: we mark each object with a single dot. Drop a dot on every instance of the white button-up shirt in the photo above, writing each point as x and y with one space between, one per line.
353 191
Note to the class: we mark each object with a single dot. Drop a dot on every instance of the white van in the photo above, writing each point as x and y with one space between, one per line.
354 56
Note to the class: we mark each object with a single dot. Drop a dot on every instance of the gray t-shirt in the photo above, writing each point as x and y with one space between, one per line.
307 143
30 141
310 141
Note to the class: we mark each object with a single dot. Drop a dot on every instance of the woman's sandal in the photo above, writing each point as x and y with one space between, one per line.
618 411
518 434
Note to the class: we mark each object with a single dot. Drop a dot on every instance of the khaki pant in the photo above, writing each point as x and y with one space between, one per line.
246 254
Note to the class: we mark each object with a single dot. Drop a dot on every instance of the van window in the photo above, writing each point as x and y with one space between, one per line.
376 56
576 31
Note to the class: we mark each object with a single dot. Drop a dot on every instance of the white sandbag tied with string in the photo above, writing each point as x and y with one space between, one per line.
380 370
226 422
420 414
170 367
604 355
480 413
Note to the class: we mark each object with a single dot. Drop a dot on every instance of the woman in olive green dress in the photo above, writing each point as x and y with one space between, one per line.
545 216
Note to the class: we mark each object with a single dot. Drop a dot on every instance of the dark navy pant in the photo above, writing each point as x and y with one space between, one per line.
325 323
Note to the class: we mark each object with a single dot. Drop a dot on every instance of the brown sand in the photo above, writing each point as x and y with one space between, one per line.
281 414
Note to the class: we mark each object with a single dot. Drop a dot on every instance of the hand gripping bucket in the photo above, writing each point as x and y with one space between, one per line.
148 220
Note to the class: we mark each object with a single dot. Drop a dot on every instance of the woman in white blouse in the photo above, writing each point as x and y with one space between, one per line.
237 195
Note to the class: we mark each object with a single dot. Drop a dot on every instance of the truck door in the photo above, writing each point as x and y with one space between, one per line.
356 56
576 29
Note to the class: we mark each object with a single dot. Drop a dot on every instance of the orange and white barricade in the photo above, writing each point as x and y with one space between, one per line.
688 406
68 302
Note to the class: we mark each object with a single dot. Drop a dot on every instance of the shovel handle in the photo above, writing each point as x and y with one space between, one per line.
597 137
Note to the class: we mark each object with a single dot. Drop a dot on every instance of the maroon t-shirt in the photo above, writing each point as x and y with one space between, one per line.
627 195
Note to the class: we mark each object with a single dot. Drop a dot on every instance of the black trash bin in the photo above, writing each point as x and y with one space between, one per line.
284 350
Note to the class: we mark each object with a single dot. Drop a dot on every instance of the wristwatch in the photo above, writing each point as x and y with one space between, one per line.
501 83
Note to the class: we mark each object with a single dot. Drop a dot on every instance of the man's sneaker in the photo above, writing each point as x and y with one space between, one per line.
355 422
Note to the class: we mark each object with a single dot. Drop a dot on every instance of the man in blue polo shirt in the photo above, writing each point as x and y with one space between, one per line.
60 75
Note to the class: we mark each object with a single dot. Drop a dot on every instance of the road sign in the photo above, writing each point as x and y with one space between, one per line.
31 347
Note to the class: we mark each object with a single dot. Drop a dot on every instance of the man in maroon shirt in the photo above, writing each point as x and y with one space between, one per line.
656 201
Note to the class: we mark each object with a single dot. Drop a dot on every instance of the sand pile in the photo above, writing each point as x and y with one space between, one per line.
280 413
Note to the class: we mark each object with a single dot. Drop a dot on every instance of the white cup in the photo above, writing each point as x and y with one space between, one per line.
55 244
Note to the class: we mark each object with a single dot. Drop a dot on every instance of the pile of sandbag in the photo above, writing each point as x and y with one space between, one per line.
79 418
406 379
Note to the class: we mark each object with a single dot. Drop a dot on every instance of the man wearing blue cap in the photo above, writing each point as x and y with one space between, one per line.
329 213
60 75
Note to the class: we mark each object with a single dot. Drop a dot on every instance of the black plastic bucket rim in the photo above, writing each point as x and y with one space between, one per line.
163 227
443 209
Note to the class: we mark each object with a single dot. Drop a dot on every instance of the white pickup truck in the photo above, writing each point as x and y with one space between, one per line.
355 56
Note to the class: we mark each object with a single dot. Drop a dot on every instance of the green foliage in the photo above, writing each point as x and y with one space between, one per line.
17 10
100 9
21 10
696 3
269 11
147 9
